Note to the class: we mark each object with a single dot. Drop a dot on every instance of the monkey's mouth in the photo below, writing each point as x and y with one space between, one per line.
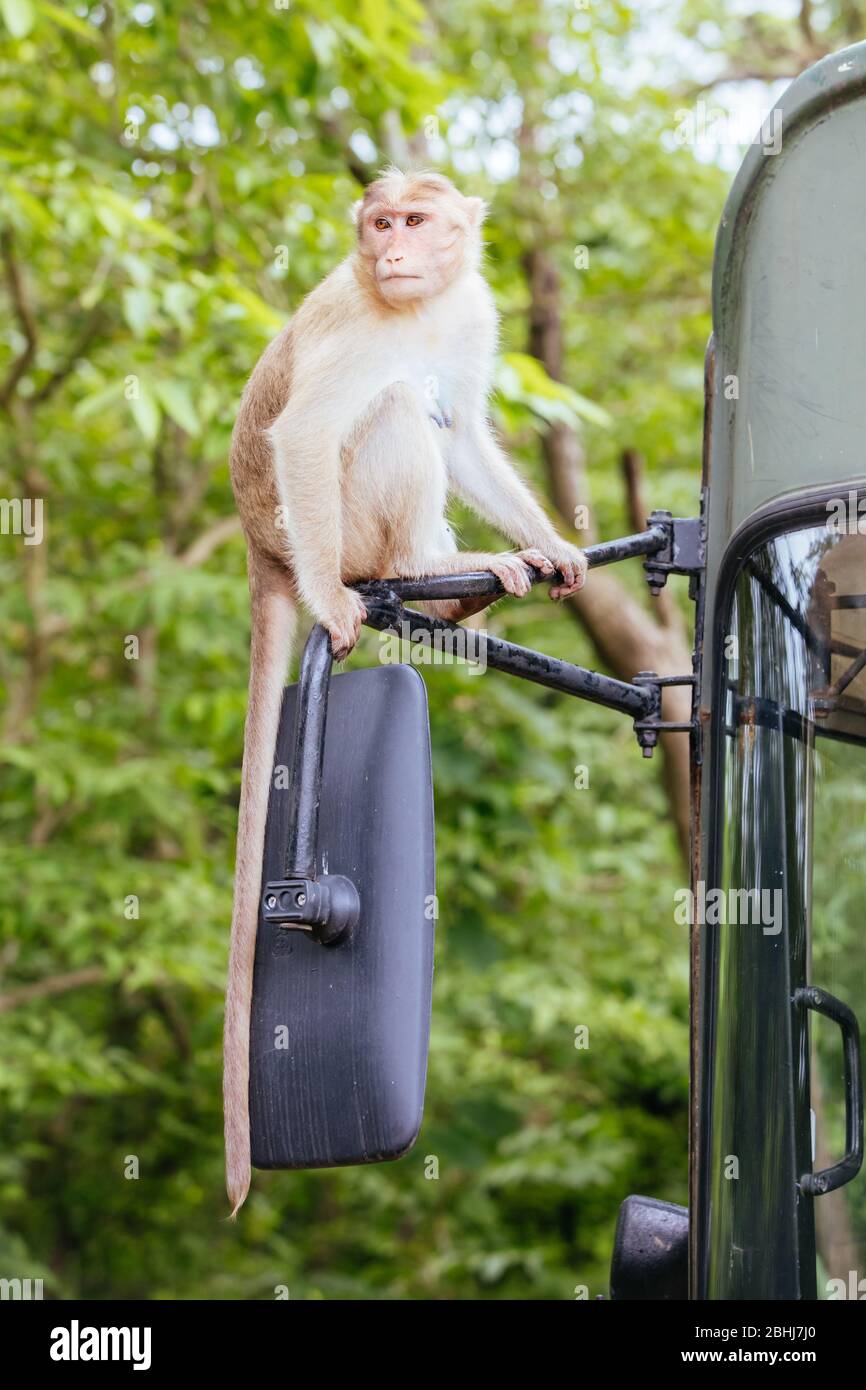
386 278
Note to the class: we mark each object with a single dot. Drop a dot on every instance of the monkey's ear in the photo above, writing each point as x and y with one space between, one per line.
355 211
477 210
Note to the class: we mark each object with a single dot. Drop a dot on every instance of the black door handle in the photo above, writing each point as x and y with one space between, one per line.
848 1167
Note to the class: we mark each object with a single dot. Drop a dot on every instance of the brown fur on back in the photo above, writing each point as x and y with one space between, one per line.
251 457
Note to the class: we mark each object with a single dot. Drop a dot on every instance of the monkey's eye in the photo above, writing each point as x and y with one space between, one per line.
414 219
381 224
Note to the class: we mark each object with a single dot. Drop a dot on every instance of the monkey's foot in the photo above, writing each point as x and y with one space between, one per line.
512 572
343 619
564 557
454 610
537 559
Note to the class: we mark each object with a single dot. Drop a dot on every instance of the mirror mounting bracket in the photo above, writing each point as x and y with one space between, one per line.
649 728
327 905
683 552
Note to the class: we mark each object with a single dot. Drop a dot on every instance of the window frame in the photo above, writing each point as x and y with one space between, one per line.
792 512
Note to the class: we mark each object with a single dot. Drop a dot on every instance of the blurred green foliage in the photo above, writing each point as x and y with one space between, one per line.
173 178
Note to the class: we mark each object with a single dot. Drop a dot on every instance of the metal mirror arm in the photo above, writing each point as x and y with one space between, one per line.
670 545
327 905
386 613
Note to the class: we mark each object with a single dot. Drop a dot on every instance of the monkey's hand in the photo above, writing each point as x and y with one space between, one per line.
568 559
343 617
512 572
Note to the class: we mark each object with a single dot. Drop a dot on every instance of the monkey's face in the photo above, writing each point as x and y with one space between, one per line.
414 249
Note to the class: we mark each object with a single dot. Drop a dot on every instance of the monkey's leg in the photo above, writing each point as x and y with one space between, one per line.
273 625
394 493
456 609
395 489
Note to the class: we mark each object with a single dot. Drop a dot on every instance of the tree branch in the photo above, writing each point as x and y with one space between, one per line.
23 313
625 636
209 541
664 606
197 553
361 172
52 984
188 501
91 328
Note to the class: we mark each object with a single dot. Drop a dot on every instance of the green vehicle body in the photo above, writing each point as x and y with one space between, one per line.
777 785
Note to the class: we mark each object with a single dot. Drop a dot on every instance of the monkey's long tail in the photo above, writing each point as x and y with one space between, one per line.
273 625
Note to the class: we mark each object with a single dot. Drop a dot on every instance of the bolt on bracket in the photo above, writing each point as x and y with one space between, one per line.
650 725
328 907
684 551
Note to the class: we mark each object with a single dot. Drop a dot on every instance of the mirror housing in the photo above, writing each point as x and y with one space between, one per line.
650 1251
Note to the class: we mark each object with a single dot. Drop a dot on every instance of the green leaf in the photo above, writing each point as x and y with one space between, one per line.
523 379
139 308
76 26
98 401
146 413
117 214
178 300
33 208
109 218
18 16
176 399
259 310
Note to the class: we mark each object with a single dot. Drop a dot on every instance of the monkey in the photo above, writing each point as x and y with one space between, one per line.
358 421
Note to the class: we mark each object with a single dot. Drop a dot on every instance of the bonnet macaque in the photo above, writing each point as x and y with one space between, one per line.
360 418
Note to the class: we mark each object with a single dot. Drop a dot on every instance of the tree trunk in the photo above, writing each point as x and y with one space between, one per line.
626 637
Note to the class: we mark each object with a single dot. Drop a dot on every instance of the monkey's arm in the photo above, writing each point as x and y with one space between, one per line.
483 476
306 441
